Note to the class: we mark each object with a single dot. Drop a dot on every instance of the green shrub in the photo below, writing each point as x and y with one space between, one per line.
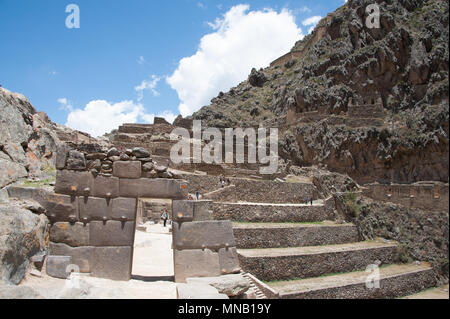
351 204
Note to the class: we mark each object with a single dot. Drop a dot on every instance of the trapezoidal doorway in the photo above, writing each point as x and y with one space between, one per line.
152 254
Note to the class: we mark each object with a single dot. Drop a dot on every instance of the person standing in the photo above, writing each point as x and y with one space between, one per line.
165 217
197 194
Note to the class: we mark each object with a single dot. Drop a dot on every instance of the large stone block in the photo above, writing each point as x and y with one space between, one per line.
58 266
231 285
187 211
153 188
112 263
81 256
62 152
107 187
203 210
75 235
111 233
206 234
73 183
59 208
124 209
76 160
199 291
195 263
182 210
129 169
229 261
94 208
22 192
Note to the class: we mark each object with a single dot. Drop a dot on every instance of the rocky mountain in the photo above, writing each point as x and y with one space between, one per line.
368 102
29 139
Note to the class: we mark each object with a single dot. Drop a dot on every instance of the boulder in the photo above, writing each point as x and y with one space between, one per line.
140 152
76 161
147 167
257 78
160 169
230 285
19 292
22 235
113 152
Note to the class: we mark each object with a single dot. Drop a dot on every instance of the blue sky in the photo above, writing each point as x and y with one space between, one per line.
123 63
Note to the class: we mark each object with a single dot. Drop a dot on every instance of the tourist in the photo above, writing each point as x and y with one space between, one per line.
197 194
223 183
312 201
228 181
165 217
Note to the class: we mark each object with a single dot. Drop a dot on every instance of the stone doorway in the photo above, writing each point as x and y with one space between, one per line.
153 255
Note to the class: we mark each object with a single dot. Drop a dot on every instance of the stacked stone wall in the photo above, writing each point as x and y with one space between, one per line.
203 247
431 196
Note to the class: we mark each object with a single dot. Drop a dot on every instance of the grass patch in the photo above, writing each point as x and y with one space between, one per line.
41 183
352 206
269 223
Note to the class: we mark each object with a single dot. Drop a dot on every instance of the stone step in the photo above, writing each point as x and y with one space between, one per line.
271 264
394 281
441 292
277 235
275 213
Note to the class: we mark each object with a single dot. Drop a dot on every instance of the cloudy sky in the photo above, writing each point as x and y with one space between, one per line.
132 60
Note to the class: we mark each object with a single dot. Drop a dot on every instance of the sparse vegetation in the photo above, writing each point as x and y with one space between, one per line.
350 201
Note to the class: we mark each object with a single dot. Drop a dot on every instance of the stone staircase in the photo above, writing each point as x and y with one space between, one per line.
318 258
254 289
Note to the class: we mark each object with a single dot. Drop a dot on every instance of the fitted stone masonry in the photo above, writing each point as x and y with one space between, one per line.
93 219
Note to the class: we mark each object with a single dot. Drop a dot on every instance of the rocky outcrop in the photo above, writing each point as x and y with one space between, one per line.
27 144
23 234
424 235
29 140
310 94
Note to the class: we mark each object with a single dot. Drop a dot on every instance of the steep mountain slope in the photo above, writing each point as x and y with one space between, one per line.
324 94
28 139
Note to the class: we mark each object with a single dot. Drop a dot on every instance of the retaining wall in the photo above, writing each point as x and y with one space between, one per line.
431 196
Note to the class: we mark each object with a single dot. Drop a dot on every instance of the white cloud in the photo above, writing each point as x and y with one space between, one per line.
242 39
303 9
311 20
99 117
168 115
141 60
65 104
147 85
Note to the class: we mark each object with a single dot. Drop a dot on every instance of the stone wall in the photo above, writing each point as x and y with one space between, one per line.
153 208
263 191
432 196
273 213
203 247
93 219
250 190
286 58
368 107
93 212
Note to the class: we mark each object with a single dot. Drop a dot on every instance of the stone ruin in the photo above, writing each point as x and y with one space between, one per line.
370 106
93 215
